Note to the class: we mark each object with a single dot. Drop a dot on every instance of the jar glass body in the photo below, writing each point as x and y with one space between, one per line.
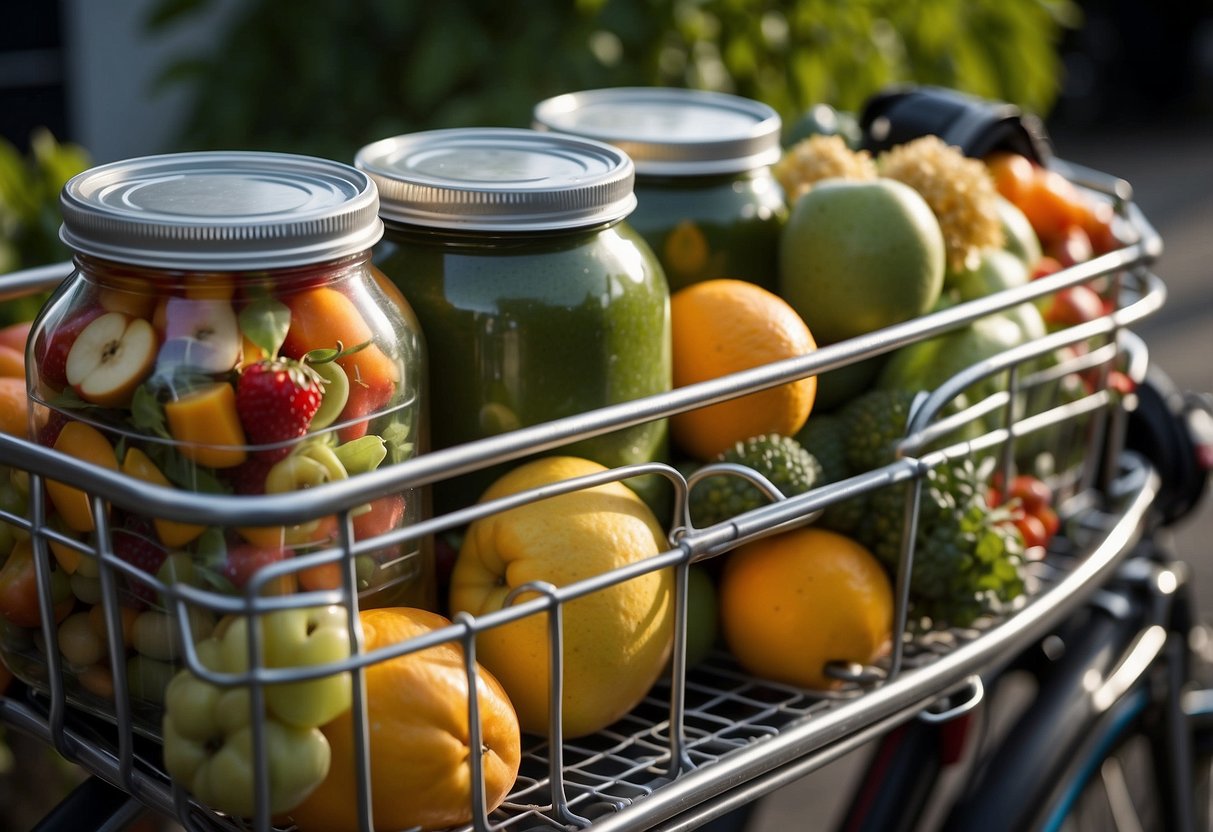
526 327
140 370
705 227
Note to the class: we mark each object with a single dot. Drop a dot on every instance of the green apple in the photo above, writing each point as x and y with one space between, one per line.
999 271
308 637
856 256
304 637
924 365
1021 239
208 743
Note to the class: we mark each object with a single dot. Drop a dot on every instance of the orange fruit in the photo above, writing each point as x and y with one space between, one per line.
12 363
418 723
89 444
792 602
723 326
14 407
205 421
15 335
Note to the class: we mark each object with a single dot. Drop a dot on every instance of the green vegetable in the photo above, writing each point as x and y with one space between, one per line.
824 436
780 459
968 558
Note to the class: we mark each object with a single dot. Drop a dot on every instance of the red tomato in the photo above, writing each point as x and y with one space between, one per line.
1051 521
1033 530
1074 246
1045 266
1033 493
1072 306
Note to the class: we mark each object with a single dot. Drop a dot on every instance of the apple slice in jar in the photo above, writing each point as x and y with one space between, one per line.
110 358
200 334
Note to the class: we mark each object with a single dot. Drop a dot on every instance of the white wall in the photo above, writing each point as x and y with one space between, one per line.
112 65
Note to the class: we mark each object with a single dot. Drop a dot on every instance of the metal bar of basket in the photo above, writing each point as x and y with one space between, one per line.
436 465
801 742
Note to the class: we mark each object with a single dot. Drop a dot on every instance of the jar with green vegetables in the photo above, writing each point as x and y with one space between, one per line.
537 299
707 201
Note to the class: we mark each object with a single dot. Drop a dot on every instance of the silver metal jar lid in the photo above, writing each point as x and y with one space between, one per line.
230 210
499 179
670 131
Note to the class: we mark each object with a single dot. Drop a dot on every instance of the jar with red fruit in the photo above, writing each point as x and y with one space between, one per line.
223 332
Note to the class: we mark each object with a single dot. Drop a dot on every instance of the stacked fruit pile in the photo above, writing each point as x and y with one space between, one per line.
869 243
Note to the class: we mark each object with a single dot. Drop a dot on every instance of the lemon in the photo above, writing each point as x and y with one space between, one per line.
616 640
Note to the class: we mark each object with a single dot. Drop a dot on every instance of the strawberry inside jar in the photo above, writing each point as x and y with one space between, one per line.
223 333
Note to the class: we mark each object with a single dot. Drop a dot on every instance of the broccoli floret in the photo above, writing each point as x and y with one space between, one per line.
780 459
875 421
968 560
824 436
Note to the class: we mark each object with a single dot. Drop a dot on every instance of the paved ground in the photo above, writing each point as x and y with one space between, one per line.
1171 169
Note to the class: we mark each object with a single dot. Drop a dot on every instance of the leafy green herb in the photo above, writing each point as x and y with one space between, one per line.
147 414
265 323
396 437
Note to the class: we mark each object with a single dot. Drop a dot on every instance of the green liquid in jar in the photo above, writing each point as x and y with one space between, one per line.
706 227
527 328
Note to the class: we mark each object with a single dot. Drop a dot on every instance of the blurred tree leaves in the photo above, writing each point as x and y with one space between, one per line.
320 77
29 209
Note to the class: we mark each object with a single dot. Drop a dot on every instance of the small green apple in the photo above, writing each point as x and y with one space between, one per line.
1021 240
294 638
859 255
999 271
308 637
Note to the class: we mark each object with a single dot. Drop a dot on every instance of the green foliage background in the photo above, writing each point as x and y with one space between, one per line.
321 77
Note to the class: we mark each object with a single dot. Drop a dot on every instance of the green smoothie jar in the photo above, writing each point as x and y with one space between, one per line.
707 201
537 299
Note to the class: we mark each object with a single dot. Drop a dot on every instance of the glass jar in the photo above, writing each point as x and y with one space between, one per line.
536 298
707 201
224 331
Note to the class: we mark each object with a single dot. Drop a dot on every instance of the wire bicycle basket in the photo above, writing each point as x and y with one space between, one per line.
706 738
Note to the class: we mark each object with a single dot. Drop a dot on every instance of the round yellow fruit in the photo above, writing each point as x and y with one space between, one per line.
793 602
616 640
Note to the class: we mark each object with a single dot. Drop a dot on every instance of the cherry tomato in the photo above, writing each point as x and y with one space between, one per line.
1072 306
1074 246
1033 530
1045 266
1033 493
1051 521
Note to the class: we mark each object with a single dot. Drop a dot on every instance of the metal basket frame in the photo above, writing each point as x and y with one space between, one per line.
706 739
